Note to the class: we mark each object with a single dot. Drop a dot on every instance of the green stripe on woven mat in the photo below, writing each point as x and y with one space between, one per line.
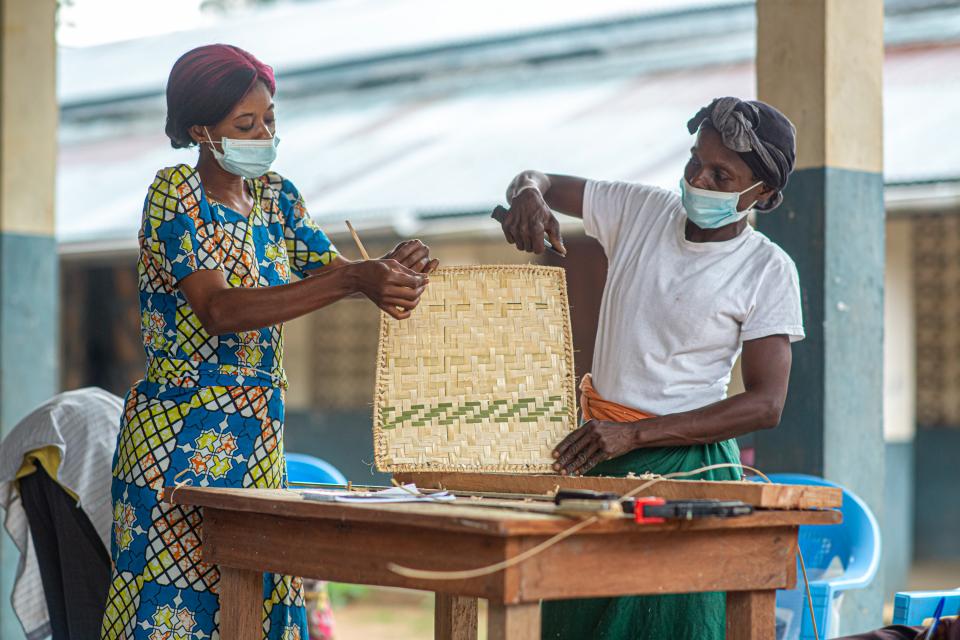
551 409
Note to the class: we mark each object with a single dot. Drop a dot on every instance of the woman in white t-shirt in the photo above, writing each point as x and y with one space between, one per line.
690 286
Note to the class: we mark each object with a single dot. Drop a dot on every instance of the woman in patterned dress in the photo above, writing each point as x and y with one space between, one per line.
218 243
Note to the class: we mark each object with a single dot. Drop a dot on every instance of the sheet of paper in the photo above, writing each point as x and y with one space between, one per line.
408 493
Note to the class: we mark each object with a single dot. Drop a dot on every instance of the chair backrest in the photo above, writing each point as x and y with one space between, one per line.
838 557
305 468
915 607
854 543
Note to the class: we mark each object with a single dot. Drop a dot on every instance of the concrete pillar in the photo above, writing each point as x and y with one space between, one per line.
28 258
821 62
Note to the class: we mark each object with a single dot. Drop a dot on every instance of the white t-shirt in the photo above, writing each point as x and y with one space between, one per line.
675 313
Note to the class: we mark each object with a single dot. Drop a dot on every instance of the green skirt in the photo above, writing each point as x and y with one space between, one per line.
695 615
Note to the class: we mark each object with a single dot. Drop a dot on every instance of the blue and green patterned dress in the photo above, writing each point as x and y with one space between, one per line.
210 409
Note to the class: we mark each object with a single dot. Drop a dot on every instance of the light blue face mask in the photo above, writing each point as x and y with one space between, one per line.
712 209
246 158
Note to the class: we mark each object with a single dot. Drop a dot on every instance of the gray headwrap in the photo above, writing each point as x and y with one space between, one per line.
762 136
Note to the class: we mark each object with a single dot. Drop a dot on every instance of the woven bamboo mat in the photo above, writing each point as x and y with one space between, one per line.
480 377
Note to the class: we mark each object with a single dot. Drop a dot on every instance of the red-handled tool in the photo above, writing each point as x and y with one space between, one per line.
644 510
639 513
650 510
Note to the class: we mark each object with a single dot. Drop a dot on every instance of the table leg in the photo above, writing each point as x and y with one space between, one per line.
513 621
241 604
454 618
751 615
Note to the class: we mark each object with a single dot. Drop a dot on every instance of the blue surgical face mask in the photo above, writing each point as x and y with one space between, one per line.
712 209
246 158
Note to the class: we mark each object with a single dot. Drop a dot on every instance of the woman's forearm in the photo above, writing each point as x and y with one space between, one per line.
236 309
730 418
223 309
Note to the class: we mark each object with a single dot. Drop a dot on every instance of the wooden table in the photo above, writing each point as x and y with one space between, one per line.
250 531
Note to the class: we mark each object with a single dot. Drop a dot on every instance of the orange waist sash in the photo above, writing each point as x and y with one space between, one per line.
594 407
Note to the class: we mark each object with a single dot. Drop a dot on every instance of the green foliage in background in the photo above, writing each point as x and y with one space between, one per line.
342 594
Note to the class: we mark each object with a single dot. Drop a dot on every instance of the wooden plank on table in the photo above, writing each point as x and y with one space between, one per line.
513 622
241 604
463 515
454 617
762 495
751 615
657 563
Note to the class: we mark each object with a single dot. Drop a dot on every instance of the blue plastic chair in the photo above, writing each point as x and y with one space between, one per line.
914 607
839 558
304 468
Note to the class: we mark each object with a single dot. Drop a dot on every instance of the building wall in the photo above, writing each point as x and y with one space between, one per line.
937 284
100 324
936 247
937 511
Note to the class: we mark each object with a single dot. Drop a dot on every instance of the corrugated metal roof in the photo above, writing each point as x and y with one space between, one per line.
299 36
363 41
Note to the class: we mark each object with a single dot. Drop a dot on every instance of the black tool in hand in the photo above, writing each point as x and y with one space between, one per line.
500 214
